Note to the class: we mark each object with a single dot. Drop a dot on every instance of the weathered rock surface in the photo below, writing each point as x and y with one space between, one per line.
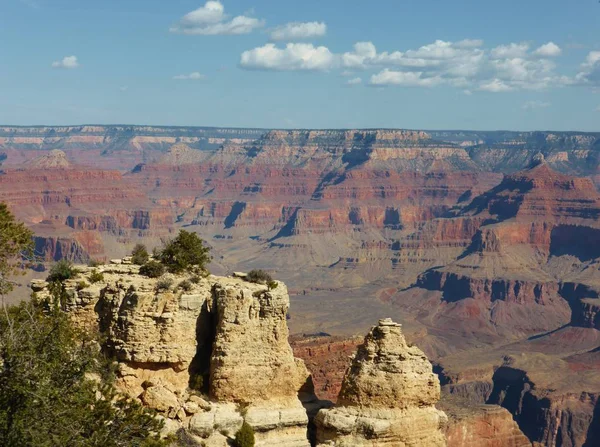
473 425
388 396
224 337
327 359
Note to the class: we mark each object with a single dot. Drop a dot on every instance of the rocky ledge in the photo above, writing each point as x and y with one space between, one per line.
206 353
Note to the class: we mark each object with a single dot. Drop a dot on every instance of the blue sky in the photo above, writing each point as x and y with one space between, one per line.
431 64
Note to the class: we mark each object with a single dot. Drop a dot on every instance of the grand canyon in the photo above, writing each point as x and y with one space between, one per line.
483 246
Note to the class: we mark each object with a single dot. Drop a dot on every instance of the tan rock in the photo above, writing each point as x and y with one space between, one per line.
252 360
387 397
226 334
160 398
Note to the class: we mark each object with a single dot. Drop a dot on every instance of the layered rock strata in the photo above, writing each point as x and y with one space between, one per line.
388 397
473 425
206 353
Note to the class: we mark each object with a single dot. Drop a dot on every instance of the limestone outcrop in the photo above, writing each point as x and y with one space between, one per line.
388 396
206 353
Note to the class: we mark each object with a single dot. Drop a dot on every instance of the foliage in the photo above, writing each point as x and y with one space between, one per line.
82 285
244 436
56 389
272 285
186 285
152 269
185 252
164 284
94 263
61 271
16 248
139 255
96 276
259 277
196 382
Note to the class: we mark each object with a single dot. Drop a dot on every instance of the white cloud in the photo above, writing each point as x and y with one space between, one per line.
124 88
457 60
526 73
407 79
495 86
211 19
295 56
549 49
532 105
466 64
509 51
299 31
590 70
354 81
68 62
192 76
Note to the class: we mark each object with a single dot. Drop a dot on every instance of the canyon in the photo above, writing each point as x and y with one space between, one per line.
483 245
209 354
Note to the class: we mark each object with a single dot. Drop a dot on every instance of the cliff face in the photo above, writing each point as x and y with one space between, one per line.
472 425
207 355
388 396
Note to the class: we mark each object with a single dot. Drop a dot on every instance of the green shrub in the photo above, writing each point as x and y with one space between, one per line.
259 277
152 269
186 285
164 284
185 252
197 382
244 436
272 285
94 263
16 249
139 255
46 395
61 271
96 276
82 285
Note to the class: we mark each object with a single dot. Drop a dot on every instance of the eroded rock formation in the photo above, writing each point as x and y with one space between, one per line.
388 396
206 353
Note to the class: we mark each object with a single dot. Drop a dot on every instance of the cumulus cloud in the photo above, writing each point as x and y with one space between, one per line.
549 49
456 59
295 56
354 81
195 76
407 79
590 70
465 64
513 50
211 19
299 31
532 105
68 62
495 86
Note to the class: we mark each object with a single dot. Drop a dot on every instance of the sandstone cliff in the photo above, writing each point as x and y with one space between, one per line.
206 353
388 397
